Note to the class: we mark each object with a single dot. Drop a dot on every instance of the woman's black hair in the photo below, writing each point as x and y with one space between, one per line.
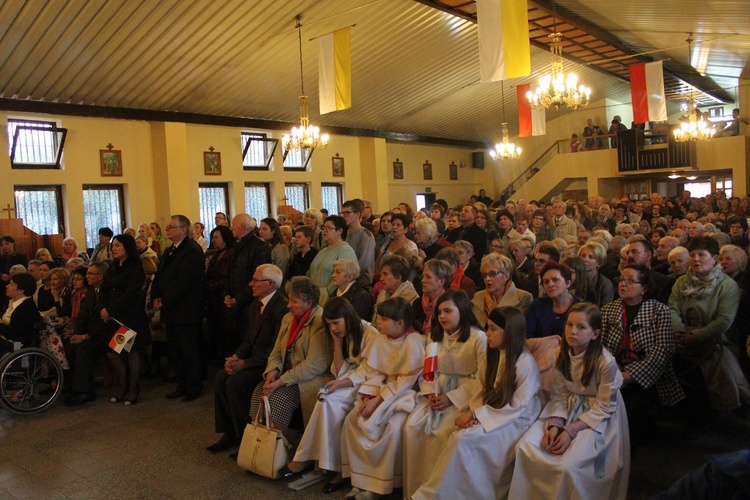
706 243
513 321
339 223
397 309
24 282
337 308
128 242
226 235
403 218
644 277
463 304
274 225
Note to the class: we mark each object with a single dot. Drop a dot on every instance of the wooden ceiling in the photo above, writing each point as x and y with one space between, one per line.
415 68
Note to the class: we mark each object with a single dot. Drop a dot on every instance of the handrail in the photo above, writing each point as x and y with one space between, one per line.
533 164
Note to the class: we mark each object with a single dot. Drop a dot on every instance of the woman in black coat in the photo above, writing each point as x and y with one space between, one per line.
122 299
18 323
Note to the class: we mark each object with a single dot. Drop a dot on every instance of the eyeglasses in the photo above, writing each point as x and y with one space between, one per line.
346 212
491 274
259 281
629 281
169 226
89 273
328 228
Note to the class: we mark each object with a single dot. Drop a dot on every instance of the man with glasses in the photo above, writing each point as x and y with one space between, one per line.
177 292
243 370
88 341
564 225
360 239
544 252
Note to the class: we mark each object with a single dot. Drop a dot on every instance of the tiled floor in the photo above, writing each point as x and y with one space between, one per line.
156 449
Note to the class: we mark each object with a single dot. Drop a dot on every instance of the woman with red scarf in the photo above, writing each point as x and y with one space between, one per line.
436 279
298 364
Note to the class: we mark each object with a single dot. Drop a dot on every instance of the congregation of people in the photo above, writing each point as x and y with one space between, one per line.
533 344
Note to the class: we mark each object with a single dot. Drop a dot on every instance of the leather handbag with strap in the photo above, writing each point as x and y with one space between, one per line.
263 450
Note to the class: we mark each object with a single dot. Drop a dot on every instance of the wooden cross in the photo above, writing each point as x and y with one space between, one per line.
110 146
211 148
9 209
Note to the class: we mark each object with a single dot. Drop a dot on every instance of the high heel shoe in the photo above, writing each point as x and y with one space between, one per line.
116 399
130 402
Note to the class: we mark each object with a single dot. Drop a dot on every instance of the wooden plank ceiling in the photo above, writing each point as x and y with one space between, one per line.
415 68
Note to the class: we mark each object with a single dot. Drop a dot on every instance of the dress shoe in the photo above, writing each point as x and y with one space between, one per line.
79 399
287 473
227 441
191 396
331 487
175 395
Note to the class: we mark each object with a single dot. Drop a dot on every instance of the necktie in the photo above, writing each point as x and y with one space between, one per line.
256 321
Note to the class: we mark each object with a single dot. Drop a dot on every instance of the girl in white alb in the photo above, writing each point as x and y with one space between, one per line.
461 351
322 438
580 447
371 439
477 460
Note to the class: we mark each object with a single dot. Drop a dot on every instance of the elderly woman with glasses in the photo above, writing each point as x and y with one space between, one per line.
334 235
637 330
427 237
499 289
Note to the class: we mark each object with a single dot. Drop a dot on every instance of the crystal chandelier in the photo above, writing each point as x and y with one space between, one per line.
557 89
306 135
694 128
505 150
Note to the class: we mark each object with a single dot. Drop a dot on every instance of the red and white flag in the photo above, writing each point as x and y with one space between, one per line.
530 121
122 339
430 361
647 92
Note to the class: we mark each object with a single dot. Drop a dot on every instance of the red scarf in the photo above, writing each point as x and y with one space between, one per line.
428 306
457 277
77 299
296 327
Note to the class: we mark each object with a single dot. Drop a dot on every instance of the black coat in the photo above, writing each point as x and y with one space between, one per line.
249 253
360 298
179 284
474 235
122 295
24 322
89 320
257 343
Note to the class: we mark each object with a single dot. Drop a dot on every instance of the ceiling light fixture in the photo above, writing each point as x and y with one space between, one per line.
557 89
306 135
693 127
505 150
673 176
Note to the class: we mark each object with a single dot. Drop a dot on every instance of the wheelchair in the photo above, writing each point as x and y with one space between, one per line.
31 380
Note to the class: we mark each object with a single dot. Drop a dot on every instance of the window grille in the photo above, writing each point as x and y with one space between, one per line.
257 151
332 197
102 207
297 159
40 207
297 197
258 200
213 198
35 144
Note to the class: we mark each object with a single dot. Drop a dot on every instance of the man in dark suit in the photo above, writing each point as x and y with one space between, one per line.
469 231
249 253
89 339
177 292
641 252
544 252
234 385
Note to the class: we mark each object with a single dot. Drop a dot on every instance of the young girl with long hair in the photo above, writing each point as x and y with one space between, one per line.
580 445
461 349
371 439
322 439
503 407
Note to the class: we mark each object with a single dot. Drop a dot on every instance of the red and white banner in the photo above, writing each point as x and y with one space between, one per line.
530 121
122 339
647 91
430 361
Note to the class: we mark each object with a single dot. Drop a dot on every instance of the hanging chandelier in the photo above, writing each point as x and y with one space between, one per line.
557 89
694 128
505 150
306 135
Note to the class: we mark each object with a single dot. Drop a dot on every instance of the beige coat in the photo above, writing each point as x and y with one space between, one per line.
513 297
312 354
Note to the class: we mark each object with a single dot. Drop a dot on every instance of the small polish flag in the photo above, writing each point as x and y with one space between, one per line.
430 362
122 339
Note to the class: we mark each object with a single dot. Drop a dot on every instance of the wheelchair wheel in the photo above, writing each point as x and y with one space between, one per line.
30 381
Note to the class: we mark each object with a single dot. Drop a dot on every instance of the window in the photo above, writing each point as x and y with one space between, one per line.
297 159
213 198
724 183
40 207
257 150
258 199
296 196
102 207
333 197
35 144
698 189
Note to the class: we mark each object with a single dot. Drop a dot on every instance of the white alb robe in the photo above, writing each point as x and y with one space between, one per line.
371 448
426 431
322 438
603 448
477 463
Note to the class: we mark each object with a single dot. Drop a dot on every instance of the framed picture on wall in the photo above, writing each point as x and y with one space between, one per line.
111 162
453 171
337 163
212 163
427 170
398 169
